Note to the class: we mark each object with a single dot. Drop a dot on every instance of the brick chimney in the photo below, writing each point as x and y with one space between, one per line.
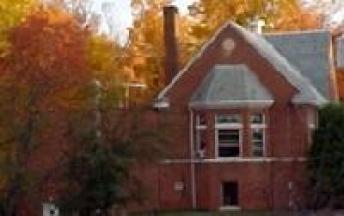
170 41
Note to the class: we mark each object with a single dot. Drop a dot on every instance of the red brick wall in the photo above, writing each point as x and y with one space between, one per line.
262 185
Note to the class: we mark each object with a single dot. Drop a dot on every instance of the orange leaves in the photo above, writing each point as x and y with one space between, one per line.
48 61
49 48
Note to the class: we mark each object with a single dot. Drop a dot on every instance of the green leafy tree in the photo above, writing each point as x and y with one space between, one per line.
326 161
111 141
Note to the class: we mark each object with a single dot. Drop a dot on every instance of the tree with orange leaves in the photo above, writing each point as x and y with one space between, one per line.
281 15
50 118
46 78
12 12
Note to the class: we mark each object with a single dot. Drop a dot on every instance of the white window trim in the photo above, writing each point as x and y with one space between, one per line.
264 141
229 126
201 127
234 126
313 123
263 126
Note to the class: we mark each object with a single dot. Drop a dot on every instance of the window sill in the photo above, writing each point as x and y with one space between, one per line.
239 159
229 208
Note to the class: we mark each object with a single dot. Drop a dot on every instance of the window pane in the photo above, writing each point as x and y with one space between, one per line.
258 152
203 140
228 137
228 118
258 142
257 118
201 120
229 151
258 135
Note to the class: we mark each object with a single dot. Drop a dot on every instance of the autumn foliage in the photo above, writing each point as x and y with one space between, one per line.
49 61
49 47
12 12
46 77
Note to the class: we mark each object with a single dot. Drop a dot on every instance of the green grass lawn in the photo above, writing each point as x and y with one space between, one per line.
201 213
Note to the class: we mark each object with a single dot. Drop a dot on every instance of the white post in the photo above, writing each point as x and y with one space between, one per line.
50 209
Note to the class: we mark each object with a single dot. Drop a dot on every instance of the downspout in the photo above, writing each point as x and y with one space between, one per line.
292 153
192 164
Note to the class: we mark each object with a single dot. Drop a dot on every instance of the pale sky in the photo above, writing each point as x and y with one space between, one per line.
122 14
334 11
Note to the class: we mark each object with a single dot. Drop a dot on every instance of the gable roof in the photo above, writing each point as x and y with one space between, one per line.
309 52
231 85
307 93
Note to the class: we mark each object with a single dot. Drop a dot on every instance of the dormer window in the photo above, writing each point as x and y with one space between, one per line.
228 135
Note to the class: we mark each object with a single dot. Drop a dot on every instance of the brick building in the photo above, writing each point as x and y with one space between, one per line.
243 112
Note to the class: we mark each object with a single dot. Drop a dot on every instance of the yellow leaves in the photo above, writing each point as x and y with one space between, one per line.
278 15
58 17
104 56
12 12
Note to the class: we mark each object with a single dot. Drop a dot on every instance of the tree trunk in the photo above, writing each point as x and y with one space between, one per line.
12 199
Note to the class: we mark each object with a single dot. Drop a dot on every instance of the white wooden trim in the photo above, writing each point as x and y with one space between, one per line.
228 126
236 160
201 127
232 104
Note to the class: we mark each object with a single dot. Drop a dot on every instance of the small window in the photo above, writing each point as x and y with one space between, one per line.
312 119
200 135
201 139
258 142
201 120
230 194
257 119
228 119
258 126
228 142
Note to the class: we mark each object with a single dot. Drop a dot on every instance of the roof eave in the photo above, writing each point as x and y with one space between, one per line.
316 103
161 104
232 104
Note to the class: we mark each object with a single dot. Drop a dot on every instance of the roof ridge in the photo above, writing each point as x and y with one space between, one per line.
297 32
281 64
